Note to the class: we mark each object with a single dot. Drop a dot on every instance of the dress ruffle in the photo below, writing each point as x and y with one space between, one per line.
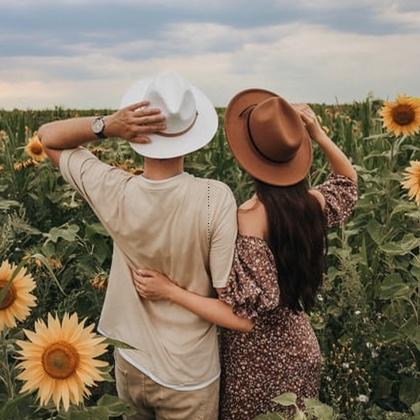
253 285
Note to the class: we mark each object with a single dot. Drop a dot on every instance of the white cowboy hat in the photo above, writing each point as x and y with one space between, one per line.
191 119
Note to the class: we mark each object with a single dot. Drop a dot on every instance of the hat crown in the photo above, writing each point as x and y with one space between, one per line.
276 129
173 95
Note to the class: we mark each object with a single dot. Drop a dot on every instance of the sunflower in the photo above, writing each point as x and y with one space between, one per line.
24 164
412 180
35 149
18 301
402 117
99 282
59 360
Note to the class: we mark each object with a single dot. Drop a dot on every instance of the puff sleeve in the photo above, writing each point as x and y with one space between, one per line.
252 288
340 193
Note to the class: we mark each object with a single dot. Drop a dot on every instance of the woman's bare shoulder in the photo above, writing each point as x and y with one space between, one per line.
318 195
252 218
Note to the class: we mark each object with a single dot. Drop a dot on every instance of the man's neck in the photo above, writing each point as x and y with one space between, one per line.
159 169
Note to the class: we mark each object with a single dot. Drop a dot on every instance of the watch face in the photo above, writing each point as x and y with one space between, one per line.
97 125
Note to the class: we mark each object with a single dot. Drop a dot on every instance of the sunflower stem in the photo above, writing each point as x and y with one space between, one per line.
7 374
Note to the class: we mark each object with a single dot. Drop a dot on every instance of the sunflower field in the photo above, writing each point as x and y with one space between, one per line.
55 257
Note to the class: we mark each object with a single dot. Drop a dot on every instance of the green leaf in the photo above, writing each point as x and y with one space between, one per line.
402 247
383 387
299 415
390 334
68 233
333 273
48 248
6 204
415 408
318 409
118 343
90 413
16 408
415 271
375 231
105 373
47 264
411 330
393 287
404 207
95 228
114 405
286 399
410 391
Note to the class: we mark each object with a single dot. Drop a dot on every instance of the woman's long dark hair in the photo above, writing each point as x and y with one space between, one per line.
297 236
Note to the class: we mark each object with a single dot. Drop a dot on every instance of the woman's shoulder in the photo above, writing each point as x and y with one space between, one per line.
252 218
319 196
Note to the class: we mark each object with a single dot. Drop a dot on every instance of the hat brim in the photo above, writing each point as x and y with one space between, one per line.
246 154
200 134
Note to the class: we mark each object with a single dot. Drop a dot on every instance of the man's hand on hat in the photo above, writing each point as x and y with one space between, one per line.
134 122
310 120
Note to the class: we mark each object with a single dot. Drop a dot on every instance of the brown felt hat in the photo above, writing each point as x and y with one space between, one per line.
268 137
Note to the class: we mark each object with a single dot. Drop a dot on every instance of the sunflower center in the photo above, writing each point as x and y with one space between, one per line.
36 149
403 114
60 360
10 295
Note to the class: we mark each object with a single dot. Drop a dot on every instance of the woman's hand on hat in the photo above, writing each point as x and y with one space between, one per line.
152 285
310 120
135 122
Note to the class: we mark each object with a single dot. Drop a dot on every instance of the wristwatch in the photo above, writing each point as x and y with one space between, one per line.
98 127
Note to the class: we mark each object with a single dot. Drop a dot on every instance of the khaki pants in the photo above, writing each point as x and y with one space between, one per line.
154 401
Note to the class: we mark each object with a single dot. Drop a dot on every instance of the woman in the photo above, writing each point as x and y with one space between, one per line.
269 346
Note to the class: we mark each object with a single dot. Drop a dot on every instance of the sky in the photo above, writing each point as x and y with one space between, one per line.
85 54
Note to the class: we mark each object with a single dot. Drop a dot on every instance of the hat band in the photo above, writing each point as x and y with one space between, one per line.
249 110
179 133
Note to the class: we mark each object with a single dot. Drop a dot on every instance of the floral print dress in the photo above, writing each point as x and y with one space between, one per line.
281 353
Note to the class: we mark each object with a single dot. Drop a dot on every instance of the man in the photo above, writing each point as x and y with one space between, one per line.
164 219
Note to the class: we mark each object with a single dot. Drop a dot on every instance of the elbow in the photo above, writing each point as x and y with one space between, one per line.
246 326
42 135
353 176
46 136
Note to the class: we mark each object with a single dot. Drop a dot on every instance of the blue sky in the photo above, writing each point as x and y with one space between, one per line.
78 53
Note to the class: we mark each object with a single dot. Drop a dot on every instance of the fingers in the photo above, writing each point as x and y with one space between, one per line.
137 105
142 291
146 111
139 129
141 140
304 108
306 113
137 275
144 272
150 119
155 128
140 284
143 121
306 119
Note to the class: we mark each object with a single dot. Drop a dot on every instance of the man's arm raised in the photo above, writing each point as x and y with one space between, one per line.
132 123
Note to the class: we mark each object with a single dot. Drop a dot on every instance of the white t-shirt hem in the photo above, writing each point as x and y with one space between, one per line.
158 381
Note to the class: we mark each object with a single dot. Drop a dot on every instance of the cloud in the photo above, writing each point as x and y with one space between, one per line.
85 54
302 62
409 17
